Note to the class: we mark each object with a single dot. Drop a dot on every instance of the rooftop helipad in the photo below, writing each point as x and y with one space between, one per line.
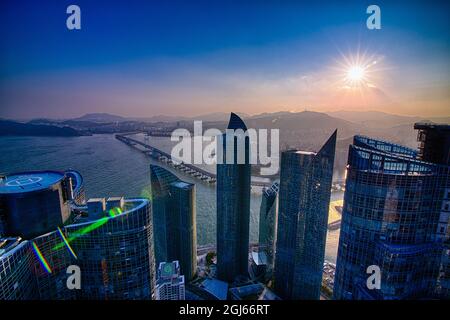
29 181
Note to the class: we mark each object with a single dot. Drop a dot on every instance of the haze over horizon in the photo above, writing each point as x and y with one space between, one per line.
141 59
365 113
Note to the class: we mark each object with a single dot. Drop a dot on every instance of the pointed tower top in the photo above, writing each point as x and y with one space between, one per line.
236 122
329 147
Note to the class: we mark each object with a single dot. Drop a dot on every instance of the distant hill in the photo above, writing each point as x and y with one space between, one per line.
309 130
160 118
100 117
11 128
379 120
305 130
208 117
108 118
218 116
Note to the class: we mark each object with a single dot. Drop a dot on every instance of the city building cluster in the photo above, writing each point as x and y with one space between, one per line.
395 216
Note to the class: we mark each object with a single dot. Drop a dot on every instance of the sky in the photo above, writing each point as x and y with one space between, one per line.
146 58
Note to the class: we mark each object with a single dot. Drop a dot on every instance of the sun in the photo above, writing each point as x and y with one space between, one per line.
355 74
358 71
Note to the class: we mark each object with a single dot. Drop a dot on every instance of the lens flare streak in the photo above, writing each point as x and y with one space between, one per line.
41 258
97 224
63 237
114 212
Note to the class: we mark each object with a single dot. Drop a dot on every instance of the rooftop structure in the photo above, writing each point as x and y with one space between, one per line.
217 288
96 207
7 244
116 249
23 182
395 217
434 142
115 203
170 284
255 291
36 202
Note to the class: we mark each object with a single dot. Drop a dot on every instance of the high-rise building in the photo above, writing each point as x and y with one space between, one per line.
395 217
160 181
114 249
33 203
117 249
233 203
174 213
304 197
17 280
434 142
170 284
268 215
182 235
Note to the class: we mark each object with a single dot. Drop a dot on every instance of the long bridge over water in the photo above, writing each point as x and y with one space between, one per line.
165 157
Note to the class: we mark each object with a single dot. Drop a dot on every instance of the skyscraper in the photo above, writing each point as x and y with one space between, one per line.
268 215
182 233
233 204
434 142
170 284
395 216
117 249
33 203
114 249
17 279
160 181
304 197
174 214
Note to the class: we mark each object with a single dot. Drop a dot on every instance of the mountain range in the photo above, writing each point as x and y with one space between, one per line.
11 128
305 130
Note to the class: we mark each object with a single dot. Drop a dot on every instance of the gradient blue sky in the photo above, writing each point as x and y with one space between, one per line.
144 58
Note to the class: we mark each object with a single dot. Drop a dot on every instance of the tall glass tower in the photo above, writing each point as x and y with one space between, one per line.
233 205
268 215
182 235
174 214
160 181
32 203
395 216
304 197
114 249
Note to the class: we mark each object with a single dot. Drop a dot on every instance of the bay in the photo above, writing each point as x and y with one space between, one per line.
111 168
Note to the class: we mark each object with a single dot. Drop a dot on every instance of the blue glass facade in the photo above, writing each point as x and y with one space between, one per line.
183 233
304 197
118 255
394 217
233 209
268 215
174 213
114 252
32 203
17 280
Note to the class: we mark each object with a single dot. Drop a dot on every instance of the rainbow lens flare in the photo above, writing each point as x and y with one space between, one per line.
41 258
81 232
63 237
